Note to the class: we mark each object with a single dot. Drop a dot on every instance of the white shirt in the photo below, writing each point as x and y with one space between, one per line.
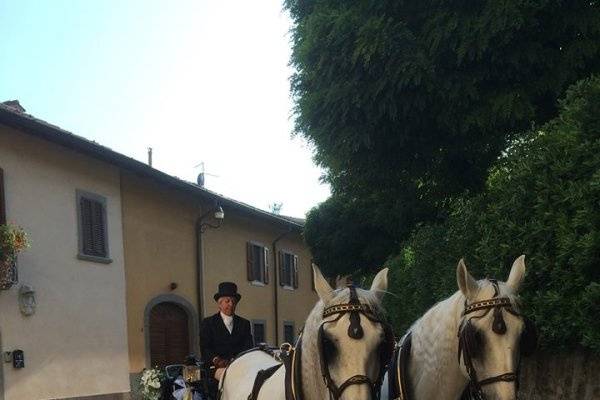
228 321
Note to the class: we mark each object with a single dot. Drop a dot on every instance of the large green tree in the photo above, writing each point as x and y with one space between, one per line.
408 103
542 199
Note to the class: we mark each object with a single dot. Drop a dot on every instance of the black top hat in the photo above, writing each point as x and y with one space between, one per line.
228 289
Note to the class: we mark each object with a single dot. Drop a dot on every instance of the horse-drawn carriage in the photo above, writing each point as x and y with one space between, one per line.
346 348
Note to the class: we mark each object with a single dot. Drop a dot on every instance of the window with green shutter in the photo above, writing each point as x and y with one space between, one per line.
92 226
288 270
257 261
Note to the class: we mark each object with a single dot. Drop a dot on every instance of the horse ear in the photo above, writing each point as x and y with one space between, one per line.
322 287
466 283
517 274
380 283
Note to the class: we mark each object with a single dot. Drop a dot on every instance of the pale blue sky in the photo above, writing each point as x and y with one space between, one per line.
195 80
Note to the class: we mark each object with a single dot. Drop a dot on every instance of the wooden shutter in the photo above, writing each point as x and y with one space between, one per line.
2 204
280 268
99 233
266 265
93 228
249 261
295 272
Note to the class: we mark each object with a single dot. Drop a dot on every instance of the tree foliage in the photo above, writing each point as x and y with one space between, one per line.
542 199
408 103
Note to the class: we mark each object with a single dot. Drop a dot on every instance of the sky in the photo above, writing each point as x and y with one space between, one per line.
198 81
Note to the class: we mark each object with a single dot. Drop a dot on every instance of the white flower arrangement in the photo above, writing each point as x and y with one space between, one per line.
151 384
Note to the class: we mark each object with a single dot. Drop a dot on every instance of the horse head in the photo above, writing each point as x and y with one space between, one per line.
493 334
348 334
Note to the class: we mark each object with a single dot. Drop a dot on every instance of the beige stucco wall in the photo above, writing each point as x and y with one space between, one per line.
159 245
76 342
159 241
224 251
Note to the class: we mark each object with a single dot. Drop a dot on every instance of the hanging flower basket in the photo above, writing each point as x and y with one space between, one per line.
13 240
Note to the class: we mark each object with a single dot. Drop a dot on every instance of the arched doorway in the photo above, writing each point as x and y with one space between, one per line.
169 334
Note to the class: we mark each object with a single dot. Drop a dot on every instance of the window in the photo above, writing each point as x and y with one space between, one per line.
92 224
257 263
288 270
312 276
288 332
258 330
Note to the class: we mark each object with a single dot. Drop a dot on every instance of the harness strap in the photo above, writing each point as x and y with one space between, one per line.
261 378
261 347
398 381
507 377
292 358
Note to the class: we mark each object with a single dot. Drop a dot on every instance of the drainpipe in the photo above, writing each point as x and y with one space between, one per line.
276 283
199 269
200 261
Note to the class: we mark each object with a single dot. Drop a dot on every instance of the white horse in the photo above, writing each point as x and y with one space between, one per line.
481 322
348 345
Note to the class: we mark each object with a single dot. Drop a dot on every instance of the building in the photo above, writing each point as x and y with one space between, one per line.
125 258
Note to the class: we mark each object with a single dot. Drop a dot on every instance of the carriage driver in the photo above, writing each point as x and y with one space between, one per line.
224 335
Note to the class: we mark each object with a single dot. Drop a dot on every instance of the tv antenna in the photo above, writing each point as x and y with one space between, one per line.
202 174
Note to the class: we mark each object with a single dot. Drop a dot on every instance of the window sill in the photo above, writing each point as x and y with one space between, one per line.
96 259
258 283
285 287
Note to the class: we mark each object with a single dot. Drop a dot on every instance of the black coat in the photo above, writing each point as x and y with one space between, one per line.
215 339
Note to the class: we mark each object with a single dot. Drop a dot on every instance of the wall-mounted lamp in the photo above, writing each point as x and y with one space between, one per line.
218 215
27 303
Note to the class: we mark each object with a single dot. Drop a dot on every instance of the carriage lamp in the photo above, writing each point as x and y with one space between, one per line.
218 215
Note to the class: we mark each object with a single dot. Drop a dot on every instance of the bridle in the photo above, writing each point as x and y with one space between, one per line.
469 341
355 331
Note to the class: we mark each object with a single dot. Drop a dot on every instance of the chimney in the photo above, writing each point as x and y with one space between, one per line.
14 105
150 156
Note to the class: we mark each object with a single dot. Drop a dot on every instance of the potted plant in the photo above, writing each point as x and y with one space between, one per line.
13 240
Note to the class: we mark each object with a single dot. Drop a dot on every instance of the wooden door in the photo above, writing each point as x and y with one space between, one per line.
169 334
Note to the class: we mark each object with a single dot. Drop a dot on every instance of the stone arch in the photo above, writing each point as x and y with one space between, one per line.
193 326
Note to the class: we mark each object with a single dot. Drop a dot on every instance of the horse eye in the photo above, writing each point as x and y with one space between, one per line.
478 344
